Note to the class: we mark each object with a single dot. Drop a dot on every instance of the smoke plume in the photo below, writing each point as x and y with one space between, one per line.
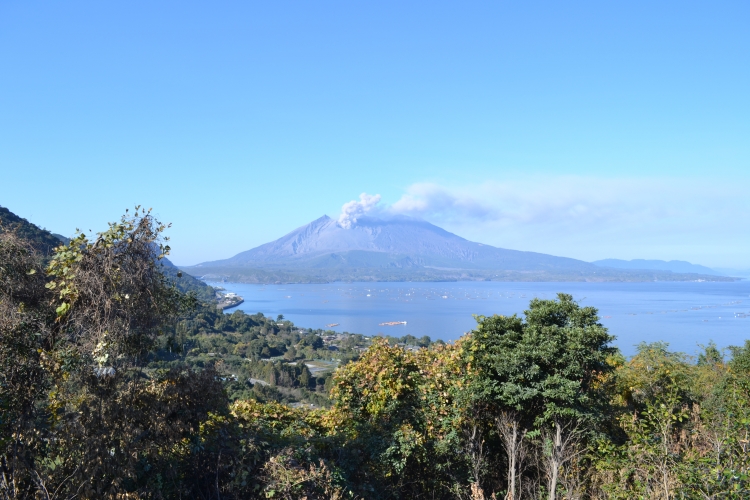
353 209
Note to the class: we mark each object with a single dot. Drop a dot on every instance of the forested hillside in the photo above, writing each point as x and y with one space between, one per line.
45 242
42 240
263 358
259 357
113 384
187 283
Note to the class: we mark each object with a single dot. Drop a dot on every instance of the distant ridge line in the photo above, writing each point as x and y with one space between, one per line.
677 266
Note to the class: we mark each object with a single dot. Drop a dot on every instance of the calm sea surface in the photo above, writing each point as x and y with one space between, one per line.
683 314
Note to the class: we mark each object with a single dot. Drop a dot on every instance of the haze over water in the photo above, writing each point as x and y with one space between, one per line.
684 314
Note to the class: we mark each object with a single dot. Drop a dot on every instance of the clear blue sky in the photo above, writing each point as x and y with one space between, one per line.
584 129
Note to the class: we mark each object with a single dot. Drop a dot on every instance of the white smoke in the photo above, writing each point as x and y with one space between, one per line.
594 217
353 209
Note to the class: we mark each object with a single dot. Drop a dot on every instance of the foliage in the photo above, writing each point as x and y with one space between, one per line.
252 350
114 384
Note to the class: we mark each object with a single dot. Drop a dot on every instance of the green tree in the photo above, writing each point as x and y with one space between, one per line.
290 354
540 375
312 340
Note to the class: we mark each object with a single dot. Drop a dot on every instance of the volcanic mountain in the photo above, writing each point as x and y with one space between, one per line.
396 248
400 242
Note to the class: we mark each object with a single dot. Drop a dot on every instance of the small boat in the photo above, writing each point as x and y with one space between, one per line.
392 323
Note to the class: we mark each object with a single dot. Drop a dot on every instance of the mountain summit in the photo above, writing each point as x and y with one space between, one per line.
400 249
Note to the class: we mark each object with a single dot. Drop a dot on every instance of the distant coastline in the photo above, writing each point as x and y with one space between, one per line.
269 276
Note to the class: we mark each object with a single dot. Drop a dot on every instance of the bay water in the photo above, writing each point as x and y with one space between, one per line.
683 314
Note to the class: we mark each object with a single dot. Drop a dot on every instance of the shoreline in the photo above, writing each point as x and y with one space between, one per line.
228 305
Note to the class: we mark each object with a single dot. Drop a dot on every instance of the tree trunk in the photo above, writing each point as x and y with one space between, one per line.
512 465
474 446
512 474
554 461
476 492
512 436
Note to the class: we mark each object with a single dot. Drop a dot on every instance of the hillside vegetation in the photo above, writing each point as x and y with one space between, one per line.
115 385
40 239
261 358
45 242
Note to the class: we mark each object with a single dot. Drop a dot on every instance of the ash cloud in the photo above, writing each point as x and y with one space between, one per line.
354 209
590 218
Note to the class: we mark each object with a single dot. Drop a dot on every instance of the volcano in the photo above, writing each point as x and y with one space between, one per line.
397 243
405 249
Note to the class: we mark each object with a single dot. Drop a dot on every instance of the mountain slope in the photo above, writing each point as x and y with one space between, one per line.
675 266
41 239
400 249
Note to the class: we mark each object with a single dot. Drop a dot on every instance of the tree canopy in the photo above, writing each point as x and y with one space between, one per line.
114 384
